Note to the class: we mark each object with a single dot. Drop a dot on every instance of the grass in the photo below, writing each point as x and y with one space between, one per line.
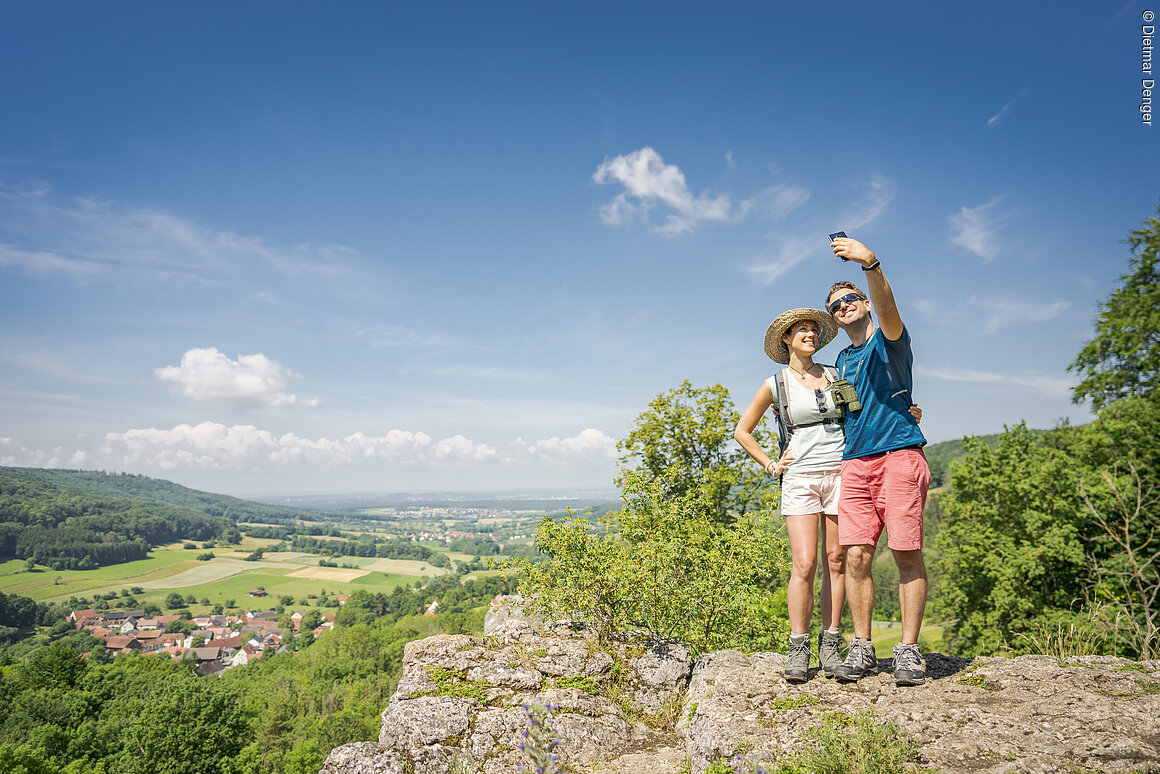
585 684
976 681
449 682
793 702
173 568
930 637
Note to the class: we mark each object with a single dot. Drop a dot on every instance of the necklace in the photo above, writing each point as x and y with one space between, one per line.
801 374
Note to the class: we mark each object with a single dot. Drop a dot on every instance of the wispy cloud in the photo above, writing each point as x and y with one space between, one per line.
650 183
999 313
995 120
791 252
1048 385
993 314
394 336
205 374
797 246
729 159
880 191
977 228
85 238
776 202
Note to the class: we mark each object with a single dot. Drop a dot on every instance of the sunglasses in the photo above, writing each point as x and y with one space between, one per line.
821 396
849 298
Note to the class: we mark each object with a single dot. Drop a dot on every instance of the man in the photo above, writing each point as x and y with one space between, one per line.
884 472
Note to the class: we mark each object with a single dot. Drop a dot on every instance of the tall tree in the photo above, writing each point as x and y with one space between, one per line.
685 438
1124 357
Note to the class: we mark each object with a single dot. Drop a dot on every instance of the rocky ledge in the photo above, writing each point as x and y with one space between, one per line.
646 707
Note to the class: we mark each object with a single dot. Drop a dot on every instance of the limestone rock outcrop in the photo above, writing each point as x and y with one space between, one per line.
647 707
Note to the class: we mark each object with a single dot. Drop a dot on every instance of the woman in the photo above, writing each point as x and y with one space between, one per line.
810 467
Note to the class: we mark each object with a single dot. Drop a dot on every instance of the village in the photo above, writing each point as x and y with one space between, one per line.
215 642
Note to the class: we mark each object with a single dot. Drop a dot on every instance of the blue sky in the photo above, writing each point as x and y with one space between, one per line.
291 247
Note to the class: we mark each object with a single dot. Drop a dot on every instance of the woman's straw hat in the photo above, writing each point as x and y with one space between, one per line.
775 347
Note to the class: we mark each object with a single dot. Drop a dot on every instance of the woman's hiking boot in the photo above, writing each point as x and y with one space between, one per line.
797 663
860 661
829 651
909 665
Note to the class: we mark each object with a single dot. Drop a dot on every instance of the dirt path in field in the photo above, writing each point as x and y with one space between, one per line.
341 574
213 570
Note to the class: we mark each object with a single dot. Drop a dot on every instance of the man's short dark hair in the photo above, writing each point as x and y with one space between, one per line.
842 285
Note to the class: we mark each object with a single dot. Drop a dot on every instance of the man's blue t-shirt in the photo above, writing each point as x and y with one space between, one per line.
880 371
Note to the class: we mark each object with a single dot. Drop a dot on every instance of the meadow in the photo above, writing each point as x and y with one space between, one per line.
226 577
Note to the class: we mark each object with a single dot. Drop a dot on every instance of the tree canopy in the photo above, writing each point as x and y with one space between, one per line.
1048 540
1124 356
685 438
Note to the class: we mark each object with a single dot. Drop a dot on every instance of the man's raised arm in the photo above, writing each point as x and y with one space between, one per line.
881 296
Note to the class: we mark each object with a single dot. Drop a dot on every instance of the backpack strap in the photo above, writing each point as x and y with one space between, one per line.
783 402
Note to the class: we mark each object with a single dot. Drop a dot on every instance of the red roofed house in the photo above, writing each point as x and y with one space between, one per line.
80 617
122 644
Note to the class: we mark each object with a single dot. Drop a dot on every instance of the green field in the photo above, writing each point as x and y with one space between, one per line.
886 637
173 568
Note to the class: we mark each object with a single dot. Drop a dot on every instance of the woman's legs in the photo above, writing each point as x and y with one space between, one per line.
803 544
834 581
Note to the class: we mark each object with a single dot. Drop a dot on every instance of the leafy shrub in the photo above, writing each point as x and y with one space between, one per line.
663 563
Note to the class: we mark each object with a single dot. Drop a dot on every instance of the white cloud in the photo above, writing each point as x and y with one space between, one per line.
251 380
16 454
248 449
214 446
1048 385
458 447
649 182
729 159
977 228
588 443
998 313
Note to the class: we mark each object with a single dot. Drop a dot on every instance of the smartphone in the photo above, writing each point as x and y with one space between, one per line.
841 234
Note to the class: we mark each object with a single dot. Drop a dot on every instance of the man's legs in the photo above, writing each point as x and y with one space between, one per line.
911 592
906 482
860 588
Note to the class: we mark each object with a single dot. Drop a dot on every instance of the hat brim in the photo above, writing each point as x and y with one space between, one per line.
776 348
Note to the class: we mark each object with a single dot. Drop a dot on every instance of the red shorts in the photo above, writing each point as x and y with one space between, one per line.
884 491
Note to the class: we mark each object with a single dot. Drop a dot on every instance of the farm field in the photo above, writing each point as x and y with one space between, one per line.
225 577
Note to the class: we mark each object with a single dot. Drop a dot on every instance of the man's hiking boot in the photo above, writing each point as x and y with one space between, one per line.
909 666
797 663
829 652
860 661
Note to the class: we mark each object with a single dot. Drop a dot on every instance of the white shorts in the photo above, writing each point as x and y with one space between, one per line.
803 494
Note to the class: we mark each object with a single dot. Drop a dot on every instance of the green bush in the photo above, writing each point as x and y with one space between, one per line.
663 563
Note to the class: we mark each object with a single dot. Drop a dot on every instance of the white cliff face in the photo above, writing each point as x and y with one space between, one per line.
646 707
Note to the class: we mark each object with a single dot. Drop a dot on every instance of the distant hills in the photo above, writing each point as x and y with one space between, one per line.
156 490
79 520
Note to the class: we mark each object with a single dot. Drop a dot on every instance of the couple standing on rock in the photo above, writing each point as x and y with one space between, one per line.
851 462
